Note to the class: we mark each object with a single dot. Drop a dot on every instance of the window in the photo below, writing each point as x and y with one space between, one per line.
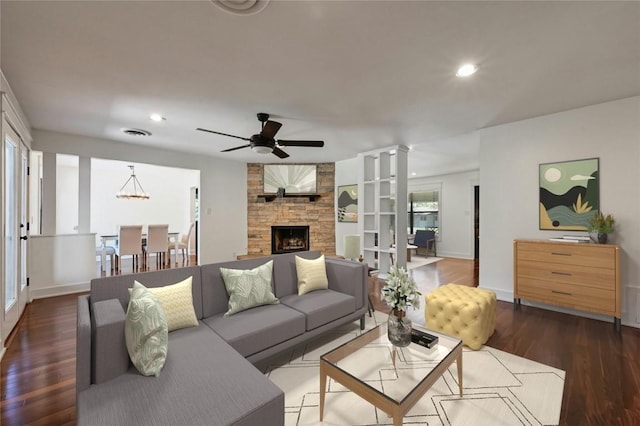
423 211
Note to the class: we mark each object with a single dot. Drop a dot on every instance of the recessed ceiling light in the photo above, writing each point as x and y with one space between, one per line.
466 70
413 173
156 117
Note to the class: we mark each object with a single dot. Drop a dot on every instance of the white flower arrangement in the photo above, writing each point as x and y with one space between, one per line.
400 292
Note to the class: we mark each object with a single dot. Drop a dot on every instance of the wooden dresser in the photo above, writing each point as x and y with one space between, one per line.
580 276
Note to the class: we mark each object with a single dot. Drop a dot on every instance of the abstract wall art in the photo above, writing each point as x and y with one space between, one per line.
569 194
348 203
294 178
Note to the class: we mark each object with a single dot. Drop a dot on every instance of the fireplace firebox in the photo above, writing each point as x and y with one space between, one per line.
287 239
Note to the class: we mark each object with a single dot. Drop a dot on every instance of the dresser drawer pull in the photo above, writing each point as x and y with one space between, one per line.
560 254
561 273
561 292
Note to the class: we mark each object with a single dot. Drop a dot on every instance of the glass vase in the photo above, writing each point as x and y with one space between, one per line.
399 328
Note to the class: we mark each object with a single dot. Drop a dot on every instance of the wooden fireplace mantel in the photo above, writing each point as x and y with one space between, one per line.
270 197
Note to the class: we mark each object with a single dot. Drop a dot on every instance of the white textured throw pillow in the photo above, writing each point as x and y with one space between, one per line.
312 275
145 332
177 303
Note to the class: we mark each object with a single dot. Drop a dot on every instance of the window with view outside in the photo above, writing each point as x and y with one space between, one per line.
423 211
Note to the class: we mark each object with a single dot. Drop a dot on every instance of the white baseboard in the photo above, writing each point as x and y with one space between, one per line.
60 290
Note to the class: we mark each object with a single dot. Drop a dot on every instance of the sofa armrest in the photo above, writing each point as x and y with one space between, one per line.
83 344
108 348
349 278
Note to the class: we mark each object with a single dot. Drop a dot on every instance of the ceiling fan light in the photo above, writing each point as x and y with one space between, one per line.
466 70
262 149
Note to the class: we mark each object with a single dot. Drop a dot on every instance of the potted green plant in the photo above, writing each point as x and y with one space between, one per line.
602 226
400 292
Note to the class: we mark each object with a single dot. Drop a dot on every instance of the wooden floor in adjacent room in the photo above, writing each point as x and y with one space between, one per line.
603 367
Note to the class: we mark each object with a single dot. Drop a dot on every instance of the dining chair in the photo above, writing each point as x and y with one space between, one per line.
425 240
157 237
109 251
129 243
183 245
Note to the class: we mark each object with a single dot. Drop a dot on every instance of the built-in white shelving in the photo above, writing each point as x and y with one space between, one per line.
382 207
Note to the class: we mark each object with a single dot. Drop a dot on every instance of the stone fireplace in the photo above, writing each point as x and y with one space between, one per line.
287 239
317 213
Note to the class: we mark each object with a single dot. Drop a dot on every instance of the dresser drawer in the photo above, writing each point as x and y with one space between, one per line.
570 274
569 295
592 255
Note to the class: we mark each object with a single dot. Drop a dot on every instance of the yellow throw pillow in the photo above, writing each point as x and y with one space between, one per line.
177 302
312 275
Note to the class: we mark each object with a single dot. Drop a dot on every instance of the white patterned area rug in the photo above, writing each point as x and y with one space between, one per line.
417 261
498 389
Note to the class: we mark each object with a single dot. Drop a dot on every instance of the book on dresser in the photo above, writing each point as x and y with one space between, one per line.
584 277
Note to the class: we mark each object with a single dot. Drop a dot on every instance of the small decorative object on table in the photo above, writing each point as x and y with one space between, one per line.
400 292
601 226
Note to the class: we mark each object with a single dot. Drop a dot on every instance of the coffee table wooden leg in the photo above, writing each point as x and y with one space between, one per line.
323 387
397 420
459 364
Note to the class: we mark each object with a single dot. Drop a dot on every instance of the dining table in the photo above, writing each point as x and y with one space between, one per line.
104 239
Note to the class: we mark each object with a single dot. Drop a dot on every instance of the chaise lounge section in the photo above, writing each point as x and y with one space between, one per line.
208 376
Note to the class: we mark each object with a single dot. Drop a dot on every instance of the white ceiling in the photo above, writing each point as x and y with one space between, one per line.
357 74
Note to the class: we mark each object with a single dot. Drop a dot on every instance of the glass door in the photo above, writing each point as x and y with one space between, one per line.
15 230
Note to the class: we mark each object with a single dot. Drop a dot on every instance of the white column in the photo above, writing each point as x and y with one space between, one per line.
84 195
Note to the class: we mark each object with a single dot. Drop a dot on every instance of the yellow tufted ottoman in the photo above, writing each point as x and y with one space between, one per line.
468 313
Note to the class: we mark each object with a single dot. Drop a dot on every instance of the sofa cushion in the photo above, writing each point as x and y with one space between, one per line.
177 303
118 286
248 288
204 381
145 332
321 307
258 328
312 275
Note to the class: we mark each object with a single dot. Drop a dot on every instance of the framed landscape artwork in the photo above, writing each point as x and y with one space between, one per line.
569 194
294 178
348 203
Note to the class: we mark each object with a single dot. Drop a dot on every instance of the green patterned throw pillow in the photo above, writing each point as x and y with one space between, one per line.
145 331
248 288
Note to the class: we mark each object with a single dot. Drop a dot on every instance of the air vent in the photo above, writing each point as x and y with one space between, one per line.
241 7
136 132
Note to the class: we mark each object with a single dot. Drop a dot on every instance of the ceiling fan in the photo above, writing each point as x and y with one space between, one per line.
265 142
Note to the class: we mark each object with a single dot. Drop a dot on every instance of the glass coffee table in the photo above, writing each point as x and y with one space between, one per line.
392 379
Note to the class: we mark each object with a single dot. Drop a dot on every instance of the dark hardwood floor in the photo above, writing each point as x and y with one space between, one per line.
603 367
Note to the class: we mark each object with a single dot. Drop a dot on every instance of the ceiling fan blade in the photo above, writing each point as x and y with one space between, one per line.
223 134
280 153
270 129
237 147
313 144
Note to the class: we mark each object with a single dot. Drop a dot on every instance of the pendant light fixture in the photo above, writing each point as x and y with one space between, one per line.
137 193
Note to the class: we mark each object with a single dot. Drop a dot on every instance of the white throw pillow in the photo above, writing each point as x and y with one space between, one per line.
177 303
145 332
312 275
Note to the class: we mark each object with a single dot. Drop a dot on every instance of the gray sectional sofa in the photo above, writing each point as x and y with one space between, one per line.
208 377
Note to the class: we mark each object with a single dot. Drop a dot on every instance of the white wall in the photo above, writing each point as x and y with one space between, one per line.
346 173
169 188
509 159
456 211
223 186
67 190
